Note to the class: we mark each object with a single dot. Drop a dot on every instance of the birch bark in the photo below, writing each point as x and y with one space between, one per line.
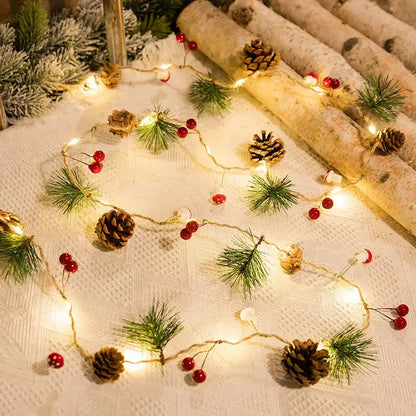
404 10
388 181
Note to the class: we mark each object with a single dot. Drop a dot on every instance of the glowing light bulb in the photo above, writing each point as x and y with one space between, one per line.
149 120
90 85
239 82
372 129
133 356
74 142
336 190
68 305
165 66
208 151
17 229
319 90
247 314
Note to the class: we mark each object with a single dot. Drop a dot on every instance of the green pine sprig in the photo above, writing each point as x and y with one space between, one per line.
155 329
245 264
157 25
32 27
157 130
18 256
270 194
349 352
66 193
382 97
208 96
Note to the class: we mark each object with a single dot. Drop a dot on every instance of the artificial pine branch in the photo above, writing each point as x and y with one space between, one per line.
18 257
157 25
155 329
156 130
382 97
66 193
208 96
270 194
245 264
349 352
7 35
32 27
13 64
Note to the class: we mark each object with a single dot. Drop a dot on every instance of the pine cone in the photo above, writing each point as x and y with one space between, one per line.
114 228
111 75
108 364
259 57
291 260
304 363
267 149
8 221
390 140
121 122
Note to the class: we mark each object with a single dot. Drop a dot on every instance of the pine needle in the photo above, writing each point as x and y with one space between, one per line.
66 194
270 194
157 25
18 257
349 352
208 96
245 263
382 97
155 329
156 131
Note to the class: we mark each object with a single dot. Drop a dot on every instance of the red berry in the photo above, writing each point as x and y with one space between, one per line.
167 78
180 37
334 83
188 363
369 258
71 266
182 132
99 156
402 309
314 213
192 226
185 234
313 74
192 45
65 258
327 82
190 123
327 203
400 322
200 375
219 198
55 360
95 167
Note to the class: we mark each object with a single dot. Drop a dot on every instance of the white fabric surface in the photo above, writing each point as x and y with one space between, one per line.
242 380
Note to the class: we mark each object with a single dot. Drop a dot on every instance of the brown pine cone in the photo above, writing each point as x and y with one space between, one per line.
114 228
9 222
111 75
390 140
291 259
304 363
121 122
259 56
108 364
267 149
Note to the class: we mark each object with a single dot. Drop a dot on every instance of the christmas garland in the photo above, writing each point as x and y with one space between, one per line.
306 362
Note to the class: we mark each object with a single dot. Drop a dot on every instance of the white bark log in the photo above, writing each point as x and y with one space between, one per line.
305 54
361 53
384 29
388 180
404 10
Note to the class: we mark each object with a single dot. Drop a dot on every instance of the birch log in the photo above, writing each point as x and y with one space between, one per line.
404 10
390 33
361 53
388 181
304 54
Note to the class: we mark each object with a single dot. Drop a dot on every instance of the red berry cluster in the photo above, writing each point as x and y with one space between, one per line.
327 82
401 310
97 165
192 45
70 265
199 375
183 131
326 203
190 228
